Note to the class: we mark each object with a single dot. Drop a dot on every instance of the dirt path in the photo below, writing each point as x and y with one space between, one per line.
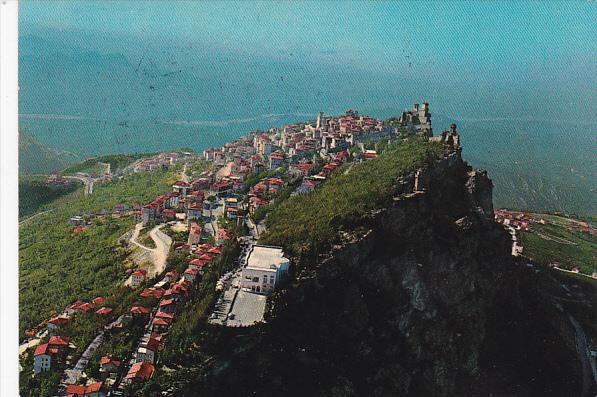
183 174
159 254
34 216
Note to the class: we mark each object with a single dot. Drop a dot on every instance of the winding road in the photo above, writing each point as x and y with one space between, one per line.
159 254
87 181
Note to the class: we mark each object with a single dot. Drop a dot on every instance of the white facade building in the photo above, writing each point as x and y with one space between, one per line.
266 267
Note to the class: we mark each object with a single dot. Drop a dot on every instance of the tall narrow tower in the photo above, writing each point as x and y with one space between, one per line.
319 120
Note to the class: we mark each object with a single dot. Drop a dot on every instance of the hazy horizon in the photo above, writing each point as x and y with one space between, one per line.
116 77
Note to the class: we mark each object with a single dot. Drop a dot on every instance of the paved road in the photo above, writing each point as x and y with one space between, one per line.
73 375
256 230
87 181
577 273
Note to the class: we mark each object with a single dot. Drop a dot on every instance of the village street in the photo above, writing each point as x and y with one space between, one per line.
255 230
73 375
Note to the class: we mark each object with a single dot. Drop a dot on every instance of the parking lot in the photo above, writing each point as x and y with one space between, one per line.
247 310
237 308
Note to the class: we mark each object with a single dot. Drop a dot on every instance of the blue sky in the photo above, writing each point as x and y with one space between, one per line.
453 33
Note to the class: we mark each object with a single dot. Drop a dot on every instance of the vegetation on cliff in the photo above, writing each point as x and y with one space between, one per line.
309 223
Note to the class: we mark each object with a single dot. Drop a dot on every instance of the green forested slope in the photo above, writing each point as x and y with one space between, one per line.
56 266
306 222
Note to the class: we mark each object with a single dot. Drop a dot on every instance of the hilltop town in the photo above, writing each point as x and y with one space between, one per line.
209 224
242 181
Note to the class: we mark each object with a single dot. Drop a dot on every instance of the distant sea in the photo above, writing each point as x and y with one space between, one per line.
90 137
122 97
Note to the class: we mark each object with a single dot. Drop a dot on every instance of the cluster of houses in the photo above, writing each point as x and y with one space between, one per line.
79 222
53 352
270 150
310 151
160 161
523 221
171 294
516 220
297 146
56 181
189 200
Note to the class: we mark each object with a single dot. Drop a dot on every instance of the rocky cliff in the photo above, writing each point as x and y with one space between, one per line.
420 298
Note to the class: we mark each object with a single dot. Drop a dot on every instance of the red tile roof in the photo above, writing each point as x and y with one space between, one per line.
109 360
76 390
139 273
58 341
98 301
139 310
103 311
85 307
94 387
152 293
59 321
160 321
41 349
191 271
142 370
164 315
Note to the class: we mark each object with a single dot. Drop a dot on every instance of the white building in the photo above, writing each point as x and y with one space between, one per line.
266 267
138 277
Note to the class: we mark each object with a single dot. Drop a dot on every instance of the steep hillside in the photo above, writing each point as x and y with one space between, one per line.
35 158
35 193
68 266
395 290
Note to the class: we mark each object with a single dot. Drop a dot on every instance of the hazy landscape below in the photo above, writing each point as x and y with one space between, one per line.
84 93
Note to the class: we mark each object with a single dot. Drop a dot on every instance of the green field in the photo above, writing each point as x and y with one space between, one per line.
555 241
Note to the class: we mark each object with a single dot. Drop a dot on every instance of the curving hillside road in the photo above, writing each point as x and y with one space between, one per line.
87 181
159 254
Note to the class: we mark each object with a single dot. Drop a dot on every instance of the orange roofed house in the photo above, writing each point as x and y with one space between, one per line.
139 371
138 277
43 358
92 390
